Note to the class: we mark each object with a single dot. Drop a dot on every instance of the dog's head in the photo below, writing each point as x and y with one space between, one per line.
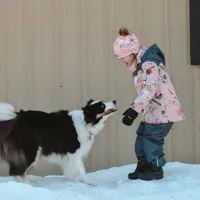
96 111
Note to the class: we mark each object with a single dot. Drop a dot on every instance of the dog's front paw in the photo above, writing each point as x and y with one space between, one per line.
90 182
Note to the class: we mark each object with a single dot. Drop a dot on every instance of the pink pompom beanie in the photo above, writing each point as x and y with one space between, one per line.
126 45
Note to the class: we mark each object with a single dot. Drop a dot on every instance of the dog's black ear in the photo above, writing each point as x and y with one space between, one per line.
87 114
90 101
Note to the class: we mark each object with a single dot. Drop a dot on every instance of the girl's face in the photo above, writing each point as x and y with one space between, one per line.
130 61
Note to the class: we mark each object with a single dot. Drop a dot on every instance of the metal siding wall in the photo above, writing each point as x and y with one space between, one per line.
58 54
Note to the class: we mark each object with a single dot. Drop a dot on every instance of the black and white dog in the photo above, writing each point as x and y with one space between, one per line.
61 137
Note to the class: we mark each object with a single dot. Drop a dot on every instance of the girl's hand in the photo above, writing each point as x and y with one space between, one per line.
129 116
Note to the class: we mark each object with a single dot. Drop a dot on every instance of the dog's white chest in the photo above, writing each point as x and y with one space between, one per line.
86 145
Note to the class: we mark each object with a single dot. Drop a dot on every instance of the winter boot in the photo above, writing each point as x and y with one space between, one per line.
141 166
151 173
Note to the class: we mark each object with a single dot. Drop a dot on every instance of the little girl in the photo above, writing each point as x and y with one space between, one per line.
156 99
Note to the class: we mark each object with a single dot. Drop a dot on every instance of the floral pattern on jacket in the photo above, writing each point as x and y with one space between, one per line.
156 95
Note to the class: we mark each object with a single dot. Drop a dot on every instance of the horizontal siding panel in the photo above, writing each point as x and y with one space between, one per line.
58 54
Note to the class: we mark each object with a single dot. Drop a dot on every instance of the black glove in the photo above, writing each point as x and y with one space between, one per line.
129 116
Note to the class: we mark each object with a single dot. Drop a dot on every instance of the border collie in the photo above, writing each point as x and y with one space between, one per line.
60 137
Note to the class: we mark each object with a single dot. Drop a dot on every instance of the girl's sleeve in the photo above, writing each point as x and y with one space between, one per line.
150 80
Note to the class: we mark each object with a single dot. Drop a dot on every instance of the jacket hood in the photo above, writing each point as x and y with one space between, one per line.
154 53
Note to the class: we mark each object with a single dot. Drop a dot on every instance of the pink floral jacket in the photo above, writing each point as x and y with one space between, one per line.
157 98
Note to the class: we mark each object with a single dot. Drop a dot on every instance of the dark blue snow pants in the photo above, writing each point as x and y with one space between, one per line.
150 141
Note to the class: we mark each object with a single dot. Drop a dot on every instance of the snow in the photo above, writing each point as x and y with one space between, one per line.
181 182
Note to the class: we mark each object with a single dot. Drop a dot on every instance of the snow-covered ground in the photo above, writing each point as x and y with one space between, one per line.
181 181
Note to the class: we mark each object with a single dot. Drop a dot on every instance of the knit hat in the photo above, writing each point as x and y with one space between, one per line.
126 44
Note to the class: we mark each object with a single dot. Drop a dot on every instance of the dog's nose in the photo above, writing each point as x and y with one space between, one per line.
115 102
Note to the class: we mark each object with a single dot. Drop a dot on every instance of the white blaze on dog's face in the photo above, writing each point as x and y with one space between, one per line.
96 111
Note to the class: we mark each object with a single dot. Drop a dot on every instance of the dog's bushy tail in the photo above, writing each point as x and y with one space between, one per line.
7 111
7 121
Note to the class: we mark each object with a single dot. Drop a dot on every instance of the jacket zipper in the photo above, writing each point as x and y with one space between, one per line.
158 103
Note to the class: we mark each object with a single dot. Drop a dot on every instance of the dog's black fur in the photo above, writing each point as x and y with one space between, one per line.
54 132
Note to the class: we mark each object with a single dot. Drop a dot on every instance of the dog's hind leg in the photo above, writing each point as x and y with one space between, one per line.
18 173
23 179
32 158
29 169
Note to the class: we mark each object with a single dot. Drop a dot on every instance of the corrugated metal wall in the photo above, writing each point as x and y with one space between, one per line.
58 53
